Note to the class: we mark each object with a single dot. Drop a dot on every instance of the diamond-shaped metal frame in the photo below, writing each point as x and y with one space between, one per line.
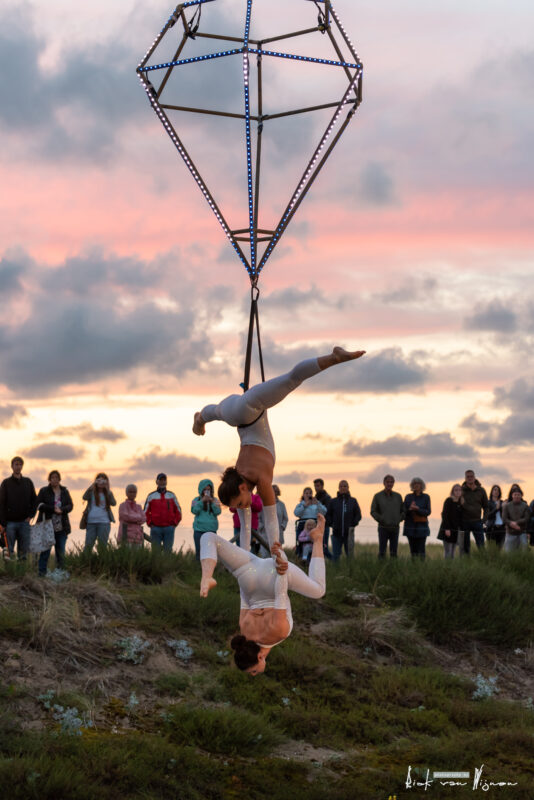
327 23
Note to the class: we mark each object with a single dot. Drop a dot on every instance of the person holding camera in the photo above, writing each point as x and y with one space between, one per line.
99 499
205 508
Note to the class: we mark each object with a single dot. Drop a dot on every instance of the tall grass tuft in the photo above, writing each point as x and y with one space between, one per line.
231 731
127 564
488 597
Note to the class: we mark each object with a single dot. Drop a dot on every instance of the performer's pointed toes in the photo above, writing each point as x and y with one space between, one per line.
346 355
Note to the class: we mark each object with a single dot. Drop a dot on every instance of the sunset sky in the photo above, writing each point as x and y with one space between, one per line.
124 309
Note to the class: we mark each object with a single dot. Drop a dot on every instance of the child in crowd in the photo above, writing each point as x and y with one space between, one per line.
305 540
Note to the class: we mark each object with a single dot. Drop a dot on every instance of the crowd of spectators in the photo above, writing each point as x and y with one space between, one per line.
507 523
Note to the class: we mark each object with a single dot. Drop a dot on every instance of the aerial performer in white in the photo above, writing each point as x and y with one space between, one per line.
265 618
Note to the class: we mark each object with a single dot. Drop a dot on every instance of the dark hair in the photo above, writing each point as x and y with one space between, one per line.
319 480
17 458
496 486
246 652
306 489
515 487
228 489
104 489
54 472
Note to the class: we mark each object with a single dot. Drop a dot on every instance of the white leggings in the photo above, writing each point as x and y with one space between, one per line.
257 577
242 409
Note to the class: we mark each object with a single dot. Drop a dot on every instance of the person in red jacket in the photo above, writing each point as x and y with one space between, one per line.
163 513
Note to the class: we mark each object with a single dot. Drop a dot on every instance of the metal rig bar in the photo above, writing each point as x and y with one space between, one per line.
169 71
222 37
170 22
246 230
351 98
305 183
248 140
290 35
343 32
257 238
206 111
268 117
181 61
294 57
199 2
338 50
259 133
151 94
321 164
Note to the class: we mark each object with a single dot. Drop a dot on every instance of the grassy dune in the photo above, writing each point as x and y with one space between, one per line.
119 682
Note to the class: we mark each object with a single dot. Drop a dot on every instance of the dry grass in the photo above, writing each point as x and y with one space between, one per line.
65 617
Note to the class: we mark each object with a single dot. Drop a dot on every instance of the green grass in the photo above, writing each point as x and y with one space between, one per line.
232 731
363 684
128 564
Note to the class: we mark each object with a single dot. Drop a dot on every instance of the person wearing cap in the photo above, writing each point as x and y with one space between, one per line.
163 513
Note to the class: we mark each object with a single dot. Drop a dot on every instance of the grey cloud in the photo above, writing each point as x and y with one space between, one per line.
376 186
87 433
517 397
294 477
516 430
474 424
318 437
171 463
53 451
493 316
96 85
293 301
86 273
428 444
435 471
96 341
388 370
11 272
102 336
11 415
410 292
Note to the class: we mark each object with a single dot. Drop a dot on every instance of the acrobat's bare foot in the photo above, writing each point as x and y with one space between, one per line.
206 585
316 535
199 426
340 354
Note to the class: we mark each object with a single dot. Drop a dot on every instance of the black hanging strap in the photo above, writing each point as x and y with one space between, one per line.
194 22
254 322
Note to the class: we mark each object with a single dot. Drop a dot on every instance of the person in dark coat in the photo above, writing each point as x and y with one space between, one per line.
493 522
54 502
451 521
343 513
417 510
475 507
17 507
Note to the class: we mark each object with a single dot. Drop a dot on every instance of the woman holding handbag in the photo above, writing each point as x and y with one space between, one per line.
54 502
99 515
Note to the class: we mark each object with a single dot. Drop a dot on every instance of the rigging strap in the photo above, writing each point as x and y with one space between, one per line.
254 322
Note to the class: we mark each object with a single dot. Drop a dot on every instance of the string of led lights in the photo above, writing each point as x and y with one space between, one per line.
327 23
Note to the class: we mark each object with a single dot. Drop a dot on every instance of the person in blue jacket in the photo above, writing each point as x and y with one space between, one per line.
205 508
417 511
